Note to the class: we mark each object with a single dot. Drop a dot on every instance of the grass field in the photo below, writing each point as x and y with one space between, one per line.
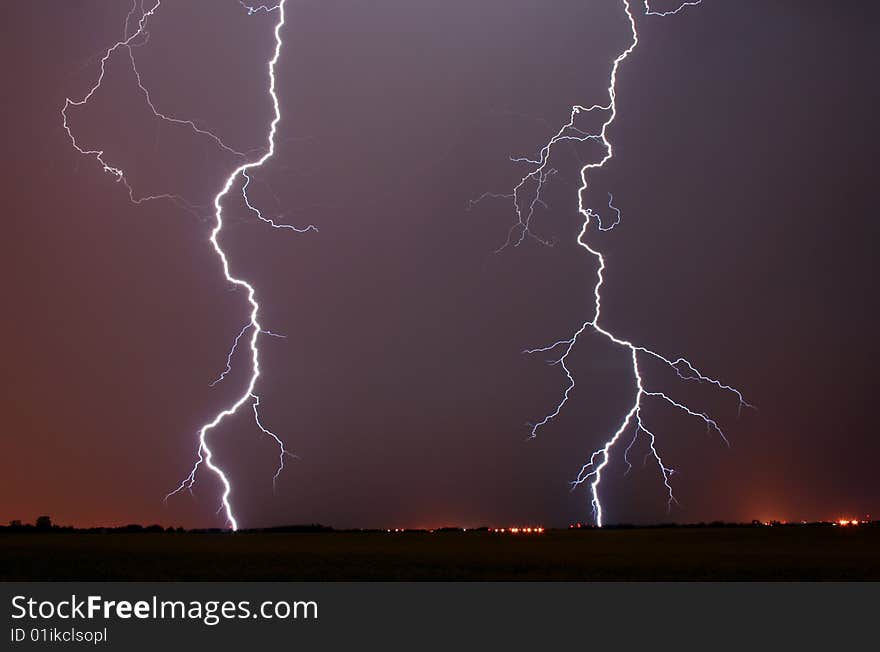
779 553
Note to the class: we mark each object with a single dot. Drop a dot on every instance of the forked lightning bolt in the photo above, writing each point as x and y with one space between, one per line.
525 196
252 328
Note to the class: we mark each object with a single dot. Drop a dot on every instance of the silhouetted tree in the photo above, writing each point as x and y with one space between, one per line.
44 523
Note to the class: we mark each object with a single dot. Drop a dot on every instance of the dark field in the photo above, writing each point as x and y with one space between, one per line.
779 553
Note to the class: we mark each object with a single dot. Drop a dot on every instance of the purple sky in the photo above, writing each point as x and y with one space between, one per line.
744 169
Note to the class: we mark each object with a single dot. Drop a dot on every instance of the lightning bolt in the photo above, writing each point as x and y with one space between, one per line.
128 42
525 196
137 38
680 8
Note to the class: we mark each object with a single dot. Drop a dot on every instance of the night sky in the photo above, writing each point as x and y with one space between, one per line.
745 149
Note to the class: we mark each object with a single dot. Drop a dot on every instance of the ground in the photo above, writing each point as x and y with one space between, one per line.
742 553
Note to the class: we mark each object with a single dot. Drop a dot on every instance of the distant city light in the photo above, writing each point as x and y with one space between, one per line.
517 530
849 521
